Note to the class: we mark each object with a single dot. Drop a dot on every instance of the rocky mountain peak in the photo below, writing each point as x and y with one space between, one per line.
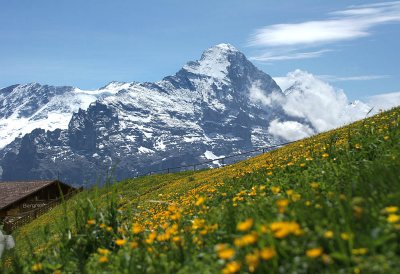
219 51
215 61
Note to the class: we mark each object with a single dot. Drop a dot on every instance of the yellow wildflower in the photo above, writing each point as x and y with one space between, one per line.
176 216
290 192
282 204
245 225
267 253
247 239
91 222
391 209
295 197
200 201
134 245
37 267
283 229
120 242
275 189
326 259
345 236
393 218
137 228
173 208
176 239
231 267
103 251
151 237
163 237
328 234
314 252
198 223
359 251
103 259
264 229
220 247
226 253
325 155
252 260
358 211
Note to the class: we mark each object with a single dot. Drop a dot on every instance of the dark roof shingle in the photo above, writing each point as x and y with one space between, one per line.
11 192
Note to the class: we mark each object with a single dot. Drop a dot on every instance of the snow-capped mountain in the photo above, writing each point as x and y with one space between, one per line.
219 105
204 110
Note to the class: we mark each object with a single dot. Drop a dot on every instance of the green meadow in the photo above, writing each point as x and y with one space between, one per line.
326 204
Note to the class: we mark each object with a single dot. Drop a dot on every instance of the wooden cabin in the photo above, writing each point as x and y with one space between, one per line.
19 198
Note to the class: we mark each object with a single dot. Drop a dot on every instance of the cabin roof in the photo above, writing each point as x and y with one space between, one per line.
11 192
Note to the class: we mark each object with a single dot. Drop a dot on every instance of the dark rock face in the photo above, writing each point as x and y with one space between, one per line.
16 165
205 109
85 127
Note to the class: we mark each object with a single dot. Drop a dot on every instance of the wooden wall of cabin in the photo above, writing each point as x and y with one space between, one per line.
36 200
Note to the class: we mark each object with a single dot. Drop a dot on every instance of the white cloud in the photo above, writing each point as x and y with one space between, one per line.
307 33
322 106
257 95
316 102
351 23
333 78
289 56
289 130
384 101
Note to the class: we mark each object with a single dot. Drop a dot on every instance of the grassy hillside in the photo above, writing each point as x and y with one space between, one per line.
326 204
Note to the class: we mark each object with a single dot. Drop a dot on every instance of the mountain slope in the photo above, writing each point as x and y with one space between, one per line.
24 108
325 204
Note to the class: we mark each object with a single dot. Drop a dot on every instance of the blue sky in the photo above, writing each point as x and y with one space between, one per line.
352 44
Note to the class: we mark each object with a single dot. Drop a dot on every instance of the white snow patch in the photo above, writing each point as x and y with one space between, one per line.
145 150
191 139
159 145
210 155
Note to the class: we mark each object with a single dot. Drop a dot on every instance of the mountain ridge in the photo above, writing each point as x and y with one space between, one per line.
220 104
